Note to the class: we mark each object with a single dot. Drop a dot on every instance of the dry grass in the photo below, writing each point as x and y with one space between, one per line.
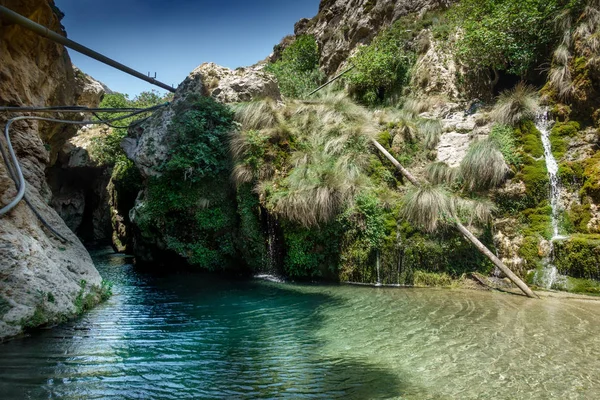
484 166
428 207
475 211
430 131
516 105
324 169
440 173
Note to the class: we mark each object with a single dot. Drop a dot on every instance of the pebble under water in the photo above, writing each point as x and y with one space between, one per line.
195 336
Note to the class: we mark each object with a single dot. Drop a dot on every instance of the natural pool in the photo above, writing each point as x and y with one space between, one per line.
182 336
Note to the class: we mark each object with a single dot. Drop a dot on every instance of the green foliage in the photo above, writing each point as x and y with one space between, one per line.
191 204
297 71
106 149
444 252
198 145
363 228
432 279
84 301
250 237
311 252
584 286
383 66
509 35
196 218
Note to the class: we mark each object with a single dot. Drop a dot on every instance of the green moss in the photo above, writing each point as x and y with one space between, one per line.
578 217
583 286
591 173
529 251
559 135
571 174
530 138
432 279
535 177
578 256
566 129
538 221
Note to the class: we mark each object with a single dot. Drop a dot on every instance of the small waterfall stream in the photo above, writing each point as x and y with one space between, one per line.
543 124
549 276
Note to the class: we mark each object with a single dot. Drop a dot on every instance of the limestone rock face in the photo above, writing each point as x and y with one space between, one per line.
460 130
89 91
149 148
231 86
341 25
40 276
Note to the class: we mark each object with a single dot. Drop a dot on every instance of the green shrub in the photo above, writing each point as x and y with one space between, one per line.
106 149
192 205
505 35
383 66
297 71
432 279
198 140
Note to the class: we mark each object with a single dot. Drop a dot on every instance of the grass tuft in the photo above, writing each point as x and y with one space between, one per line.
484 166
516 105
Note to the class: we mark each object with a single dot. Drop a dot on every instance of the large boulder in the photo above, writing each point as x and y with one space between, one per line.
149 147
41 277
231 86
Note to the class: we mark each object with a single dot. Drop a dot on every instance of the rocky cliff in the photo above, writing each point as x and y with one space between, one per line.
341 26
42 279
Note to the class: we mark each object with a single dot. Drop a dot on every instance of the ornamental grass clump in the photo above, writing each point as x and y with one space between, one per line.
428 207
309 161
440 173
516 105
483 167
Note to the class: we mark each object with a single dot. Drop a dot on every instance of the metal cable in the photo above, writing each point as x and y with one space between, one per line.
80 109
16 173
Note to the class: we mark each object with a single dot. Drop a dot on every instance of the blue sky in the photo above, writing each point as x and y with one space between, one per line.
172 38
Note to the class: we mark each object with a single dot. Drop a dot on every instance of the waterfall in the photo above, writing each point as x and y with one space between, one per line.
543 124
378 263
549 276
271 271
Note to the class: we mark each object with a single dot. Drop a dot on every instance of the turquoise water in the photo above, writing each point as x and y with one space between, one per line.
182 336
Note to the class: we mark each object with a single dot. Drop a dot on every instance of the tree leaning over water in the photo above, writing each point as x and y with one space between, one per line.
436 208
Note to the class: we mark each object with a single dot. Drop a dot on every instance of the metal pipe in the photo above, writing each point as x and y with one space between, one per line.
47 33
331 81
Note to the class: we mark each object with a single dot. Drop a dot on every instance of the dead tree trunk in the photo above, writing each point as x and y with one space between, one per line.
461 228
